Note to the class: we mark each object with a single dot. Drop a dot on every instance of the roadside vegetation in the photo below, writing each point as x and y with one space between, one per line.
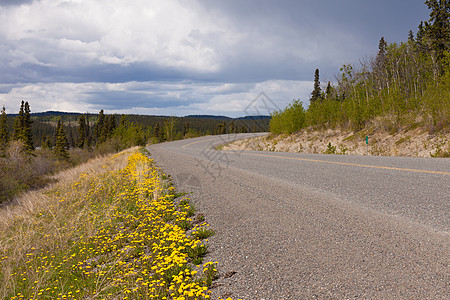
406 86
32 148
111 228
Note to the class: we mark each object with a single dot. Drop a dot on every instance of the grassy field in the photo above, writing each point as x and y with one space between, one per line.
111 228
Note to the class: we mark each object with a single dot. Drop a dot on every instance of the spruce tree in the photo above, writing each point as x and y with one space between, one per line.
18 123
438 30
44 144
61 143
316 94
4 136
186 128
329 91
27 135
411 36
157 132
99 128
82 132
123 120
70 140
382 46
88 132
22 126
48 142
108 127
112 123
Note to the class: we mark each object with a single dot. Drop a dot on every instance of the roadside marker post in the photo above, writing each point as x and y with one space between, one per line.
367 145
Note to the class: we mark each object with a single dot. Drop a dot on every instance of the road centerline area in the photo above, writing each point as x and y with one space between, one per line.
348 164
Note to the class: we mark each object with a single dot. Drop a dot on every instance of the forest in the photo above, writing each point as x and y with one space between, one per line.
34 146
406 84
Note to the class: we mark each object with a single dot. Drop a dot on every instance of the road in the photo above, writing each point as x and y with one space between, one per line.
296 226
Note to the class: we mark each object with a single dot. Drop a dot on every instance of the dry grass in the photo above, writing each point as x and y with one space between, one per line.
108 229
34 201
22 224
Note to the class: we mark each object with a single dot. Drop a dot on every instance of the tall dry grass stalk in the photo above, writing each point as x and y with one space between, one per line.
23 227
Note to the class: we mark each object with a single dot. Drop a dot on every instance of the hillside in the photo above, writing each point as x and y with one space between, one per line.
405 141
394 98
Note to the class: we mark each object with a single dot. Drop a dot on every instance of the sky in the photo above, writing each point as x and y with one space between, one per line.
186 57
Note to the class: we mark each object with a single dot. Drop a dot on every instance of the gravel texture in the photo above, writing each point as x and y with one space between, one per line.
301 229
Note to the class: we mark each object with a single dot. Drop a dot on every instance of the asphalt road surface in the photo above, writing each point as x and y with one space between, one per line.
307 226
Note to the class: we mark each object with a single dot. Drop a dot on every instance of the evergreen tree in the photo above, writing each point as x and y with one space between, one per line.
88 133
18 123
4 136
411 36
438 30
123 120
99 128
112 124
61 143
221 128
420 32
328 91
185 129
45 142
381 55
157 132
382 46
27 135
22 126
48 142
108 126
70 140
317 92
232 127
82 135
169 125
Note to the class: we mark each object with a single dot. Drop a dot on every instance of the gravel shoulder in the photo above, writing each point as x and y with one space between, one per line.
278 238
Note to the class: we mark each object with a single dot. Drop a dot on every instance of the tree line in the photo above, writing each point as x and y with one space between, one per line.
63 131
405 83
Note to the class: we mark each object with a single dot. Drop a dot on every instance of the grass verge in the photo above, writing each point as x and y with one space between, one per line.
109 229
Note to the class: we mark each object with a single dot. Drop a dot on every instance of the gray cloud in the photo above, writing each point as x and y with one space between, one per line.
205 44
14 2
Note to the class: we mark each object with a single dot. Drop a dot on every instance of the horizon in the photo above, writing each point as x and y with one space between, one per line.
106 113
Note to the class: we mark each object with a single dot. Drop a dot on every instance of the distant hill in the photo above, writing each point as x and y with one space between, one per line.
55 113
228 118
254 118
209 117
50 114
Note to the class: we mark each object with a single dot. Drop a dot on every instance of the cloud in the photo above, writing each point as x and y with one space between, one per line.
14 2
183 57
224 41
169 98
68 34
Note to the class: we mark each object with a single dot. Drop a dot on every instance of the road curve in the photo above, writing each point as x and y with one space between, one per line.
305 226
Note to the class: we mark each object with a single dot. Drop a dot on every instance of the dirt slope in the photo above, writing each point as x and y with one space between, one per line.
415 142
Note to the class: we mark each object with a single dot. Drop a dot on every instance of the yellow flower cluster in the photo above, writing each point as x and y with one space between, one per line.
117 234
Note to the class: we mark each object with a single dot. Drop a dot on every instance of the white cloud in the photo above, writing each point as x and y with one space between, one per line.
169 98
164 33
177 35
